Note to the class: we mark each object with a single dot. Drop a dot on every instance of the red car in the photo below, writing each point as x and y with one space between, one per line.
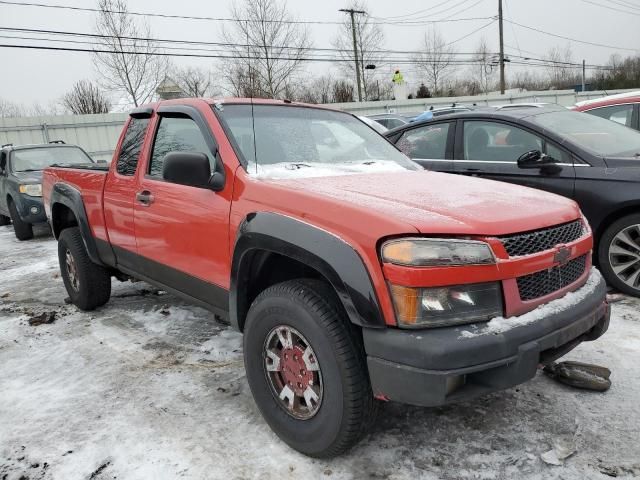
623 108
353 274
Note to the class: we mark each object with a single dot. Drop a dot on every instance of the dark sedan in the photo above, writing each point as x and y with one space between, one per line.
592 160
20 181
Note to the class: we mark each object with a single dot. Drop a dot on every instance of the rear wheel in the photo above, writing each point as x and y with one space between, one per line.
619 254
4 220
23 230
306 368
88 284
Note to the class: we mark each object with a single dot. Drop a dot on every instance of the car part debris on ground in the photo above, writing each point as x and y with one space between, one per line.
580 375
562 449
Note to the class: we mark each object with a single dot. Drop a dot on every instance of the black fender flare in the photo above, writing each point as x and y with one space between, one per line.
72 199
337 261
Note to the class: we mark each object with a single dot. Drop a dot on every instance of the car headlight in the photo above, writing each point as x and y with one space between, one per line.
446 306
33 190
425 252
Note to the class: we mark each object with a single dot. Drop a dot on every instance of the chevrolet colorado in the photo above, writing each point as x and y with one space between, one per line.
354 275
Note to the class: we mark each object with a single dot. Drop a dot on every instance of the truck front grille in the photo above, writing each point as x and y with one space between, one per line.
548 281
540 240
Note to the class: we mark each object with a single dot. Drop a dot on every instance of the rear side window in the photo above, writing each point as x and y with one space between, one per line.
131 146
428 142
177 134
497 142
617 113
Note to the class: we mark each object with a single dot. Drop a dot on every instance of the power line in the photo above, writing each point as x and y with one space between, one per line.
571 39
210 19
611 8
471 33
196 42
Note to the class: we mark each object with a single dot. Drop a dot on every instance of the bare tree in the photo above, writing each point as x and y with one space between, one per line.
483 72
132 65
561 69
86 98
436 60
10 109
342 91
369 40
194 82
270 49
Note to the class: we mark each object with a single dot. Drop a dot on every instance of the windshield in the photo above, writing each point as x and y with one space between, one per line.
597 135
39 158
308 141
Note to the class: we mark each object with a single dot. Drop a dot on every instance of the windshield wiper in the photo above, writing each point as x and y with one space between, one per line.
29 170
296 166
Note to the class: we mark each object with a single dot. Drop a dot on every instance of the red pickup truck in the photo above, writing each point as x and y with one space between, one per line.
354 275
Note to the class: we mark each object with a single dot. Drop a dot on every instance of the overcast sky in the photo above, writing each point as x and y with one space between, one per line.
43 76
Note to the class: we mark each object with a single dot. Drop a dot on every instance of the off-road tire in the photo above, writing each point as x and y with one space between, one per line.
603 253
23 230
4 220
347 408
94 281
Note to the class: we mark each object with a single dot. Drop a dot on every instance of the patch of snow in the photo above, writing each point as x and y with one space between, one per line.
286 170
501 324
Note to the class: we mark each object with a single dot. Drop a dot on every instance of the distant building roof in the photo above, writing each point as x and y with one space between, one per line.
168 89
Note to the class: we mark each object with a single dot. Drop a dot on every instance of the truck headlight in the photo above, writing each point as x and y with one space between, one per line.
425 252
445 306
33 190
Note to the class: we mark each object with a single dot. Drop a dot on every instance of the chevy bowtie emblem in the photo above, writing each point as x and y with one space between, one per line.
562 255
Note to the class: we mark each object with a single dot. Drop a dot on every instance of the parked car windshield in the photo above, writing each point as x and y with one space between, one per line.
307 141
601 137
39 158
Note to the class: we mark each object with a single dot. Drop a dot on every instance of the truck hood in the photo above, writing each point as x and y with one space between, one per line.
439 203
28 177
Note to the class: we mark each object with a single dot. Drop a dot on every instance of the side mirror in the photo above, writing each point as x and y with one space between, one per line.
537 159
191 169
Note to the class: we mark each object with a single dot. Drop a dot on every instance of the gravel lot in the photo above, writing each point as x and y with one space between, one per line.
149 387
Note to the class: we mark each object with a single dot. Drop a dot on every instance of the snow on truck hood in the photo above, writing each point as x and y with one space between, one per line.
438 203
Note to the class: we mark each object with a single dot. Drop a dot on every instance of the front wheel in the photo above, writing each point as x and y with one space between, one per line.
23 230
88 284
619 254
306 368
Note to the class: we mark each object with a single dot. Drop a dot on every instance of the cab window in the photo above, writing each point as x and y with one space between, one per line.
177 134
131 146
427 142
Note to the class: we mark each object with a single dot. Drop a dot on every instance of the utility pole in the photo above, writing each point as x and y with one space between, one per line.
501 48
583 73
352 12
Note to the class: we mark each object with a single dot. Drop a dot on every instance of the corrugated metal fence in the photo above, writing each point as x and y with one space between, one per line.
98 134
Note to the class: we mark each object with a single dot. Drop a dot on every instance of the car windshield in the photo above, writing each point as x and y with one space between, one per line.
597 135
33 159
295 141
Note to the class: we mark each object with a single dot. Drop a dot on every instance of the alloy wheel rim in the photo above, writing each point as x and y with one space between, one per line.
293 372
72 271
624 255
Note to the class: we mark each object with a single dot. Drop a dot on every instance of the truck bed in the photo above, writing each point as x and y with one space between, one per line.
88 180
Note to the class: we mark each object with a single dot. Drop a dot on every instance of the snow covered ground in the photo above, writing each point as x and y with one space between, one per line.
149 387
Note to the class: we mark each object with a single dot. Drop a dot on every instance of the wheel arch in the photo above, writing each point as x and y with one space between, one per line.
67 210
271 248
611 217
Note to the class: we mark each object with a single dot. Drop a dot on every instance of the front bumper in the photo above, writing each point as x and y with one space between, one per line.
26 204
443 365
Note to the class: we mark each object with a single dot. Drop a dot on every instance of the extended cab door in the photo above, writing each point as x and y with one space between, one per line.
430 145
182 232
490 149
120 190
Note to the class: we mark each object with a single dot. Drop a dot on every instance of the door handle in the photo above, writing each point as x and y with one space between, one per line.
145 197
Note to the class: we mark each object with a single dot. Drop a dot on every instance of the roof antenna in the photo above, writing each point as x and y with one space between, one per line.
253 118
